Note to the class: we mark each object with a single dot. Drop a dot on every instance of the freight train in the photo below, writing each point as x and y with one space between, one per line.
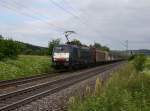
73 56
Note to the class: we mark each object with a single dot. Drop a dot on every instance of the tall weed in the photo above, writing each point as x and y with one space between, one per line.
126 90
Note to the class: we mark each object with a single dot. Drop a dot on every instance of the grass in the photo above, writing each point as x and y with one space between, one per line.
126 90
24 66
147 69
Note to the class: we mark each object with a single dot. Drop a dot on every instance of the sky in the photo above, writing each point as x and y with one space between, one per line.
109 22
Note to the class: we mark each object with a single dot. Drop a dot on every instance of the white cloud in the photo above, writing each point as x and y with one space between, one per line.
104 21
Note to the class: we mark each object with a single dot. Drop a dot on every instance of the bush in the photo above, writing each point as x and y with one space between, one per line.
125 90
139 62
1 56
53 44
9 49
132 57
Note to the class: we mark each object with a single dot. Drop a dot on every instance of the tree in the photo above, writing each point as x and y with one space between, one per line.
99 46
9 48
75 42
105 48
139 62
1 37
53 44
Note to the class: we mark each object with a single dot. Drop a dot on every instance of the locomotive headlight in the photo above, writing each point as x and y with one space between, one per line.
67 55
54 59
61 56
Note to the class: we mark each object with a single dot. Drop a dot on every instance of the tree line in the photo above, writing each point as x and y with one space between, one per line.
56 42
11 49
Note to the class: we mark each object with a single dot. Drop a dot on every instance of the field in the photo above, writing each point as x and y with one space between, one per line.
126 90
24 66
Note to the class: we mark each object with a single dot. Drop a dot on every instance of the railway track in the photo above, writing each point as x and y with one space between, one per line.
7 83
16 82
24 96
24 80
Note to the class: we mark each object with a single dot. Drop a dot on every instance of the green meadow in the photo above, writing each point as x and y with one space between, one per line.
24 66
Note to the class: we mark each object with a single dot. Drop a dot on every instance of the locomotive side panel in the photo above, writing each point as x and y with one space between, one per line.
85 55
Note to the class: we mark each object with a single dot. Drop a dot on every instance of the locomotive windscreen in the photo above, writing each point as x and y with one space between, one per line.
61 49
61 53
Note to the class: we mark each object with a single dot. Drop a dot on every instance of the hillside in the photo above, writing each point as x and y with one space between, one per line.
144 51
29 49
21 47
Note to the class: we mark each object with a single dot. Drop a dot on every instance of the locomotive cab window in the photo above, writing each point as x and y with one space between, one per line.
61 49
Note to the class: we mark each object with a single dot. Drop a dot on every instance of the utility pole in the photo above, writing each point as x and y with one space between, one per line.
127 46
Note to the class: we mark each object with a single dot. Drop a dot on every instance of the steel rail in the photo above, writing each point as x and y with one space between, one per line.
7 83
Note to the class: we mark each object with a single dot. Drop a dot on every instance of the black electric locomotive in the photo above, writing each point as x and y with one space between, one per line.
73 56
68 55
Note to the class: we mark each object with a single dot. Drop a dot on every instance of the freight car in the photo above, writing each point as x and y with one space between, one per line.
73 56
